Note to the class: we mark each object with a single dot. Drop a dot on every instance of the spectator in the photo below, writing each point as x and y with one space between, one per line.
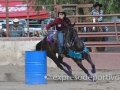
97 11
16 30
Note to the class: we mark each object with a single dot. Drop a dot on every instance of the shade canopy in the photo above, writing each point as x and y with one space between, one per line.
19 10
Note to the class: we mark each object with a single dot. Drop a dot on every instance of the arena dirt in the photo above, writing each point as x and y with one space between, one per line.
12 77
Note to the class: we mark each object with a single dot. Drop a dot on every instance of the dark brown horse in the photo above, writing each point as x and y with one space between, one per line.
73 48
95 39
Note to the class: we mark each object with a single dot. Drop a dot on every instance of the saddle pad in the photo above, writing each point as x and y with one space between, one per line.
52 37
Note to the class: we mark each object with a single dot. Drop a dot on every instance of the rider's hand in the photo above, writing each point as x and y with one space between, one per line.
45 31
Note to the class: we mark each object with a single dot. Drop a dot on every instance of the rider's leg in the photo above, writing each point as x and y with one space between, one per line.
60 38
86 29
104 30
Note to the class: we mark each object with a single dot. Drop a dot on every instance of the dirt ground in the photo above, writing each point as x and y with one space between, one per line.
13 78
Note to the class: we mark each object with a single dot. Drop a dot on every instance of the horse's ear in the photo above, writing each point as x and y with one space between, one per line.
73 24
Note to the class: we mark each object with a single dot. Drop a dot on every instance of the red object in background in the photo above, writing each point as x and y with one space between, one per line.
21 10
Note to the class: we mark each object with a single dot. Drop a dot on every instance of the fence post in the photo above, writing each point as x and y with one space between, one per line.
28 19
7 20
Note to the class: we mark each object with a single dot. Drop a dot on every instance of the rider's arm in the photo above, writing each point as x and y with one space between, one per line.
22 32
51 24
92 12
100 18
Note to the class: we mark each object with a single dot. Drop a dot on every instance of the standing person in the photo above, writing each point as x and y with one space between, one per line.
60 27
98 11
16 30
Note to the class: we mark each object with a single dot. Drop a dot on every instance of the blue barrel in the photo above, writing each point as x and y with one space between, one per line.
35 67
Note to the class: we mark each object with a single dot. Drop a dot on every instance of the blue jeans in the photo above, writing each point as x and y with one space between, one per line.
61 40
104 38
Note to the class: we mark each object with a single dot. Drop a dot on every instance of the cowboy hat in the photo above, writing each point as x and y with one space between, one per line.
61 11
97 4
16 20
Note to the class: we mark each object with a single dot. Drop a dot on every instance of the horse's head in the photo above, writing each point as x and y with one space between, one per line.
93 19
70 34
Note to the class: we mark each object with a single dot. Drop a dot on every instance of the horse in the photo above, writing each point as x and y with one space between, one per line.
100 39
73 48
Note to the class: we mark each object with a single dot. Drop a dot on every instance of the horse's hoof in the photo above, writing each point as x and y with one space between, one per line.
67 72
93 80
70 70
73 77
93 70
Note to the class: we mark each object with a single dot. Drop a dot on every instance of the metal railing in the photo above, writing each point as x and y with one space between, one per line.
115 34
78 24
27 13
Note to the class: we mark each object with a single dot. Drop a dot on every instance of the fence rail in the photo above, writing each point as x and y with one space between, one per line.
78 24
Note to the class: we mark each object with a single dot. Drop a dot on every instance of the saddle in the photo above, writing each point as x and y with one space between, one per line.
53 37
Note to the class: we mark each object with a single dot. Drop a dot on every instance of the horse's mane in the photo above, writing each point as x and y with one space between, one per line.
67 20
74 32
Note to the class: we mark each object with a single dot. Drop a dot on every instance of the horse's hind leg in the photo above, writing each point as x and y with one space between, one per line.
55 59
88 58
38 46
79 63
64 63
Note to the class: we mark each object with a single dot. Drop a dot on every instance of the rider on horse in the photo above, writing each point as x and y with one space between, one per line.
96 11
60 27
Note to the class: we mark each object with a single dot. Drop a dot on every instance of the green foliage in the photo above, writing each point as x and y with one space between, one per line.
109 6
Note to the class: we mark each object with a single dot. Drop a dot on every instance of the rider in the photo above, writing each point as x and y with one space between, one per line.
96 11
60 27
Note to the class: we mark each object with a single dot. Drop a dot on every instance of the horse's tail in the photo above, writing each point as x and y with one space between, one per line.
38 46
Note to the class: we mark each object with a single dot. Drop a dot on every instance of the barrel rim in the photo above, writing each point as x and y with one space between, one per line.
37 51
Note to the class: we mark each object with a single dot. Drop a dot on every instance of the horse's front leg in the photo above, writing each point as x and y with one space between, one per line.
57 62
64 63
88 58
79 63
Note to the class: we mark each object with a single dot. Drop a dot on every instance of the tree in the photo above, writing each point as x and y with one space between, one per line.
109 6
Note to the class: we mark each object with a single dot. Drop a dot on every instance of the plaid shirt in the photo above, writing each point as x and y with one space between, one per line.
93 12
16 32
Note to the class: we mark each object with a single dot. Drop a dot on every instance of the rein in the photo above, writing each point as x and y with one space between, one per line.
75 37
